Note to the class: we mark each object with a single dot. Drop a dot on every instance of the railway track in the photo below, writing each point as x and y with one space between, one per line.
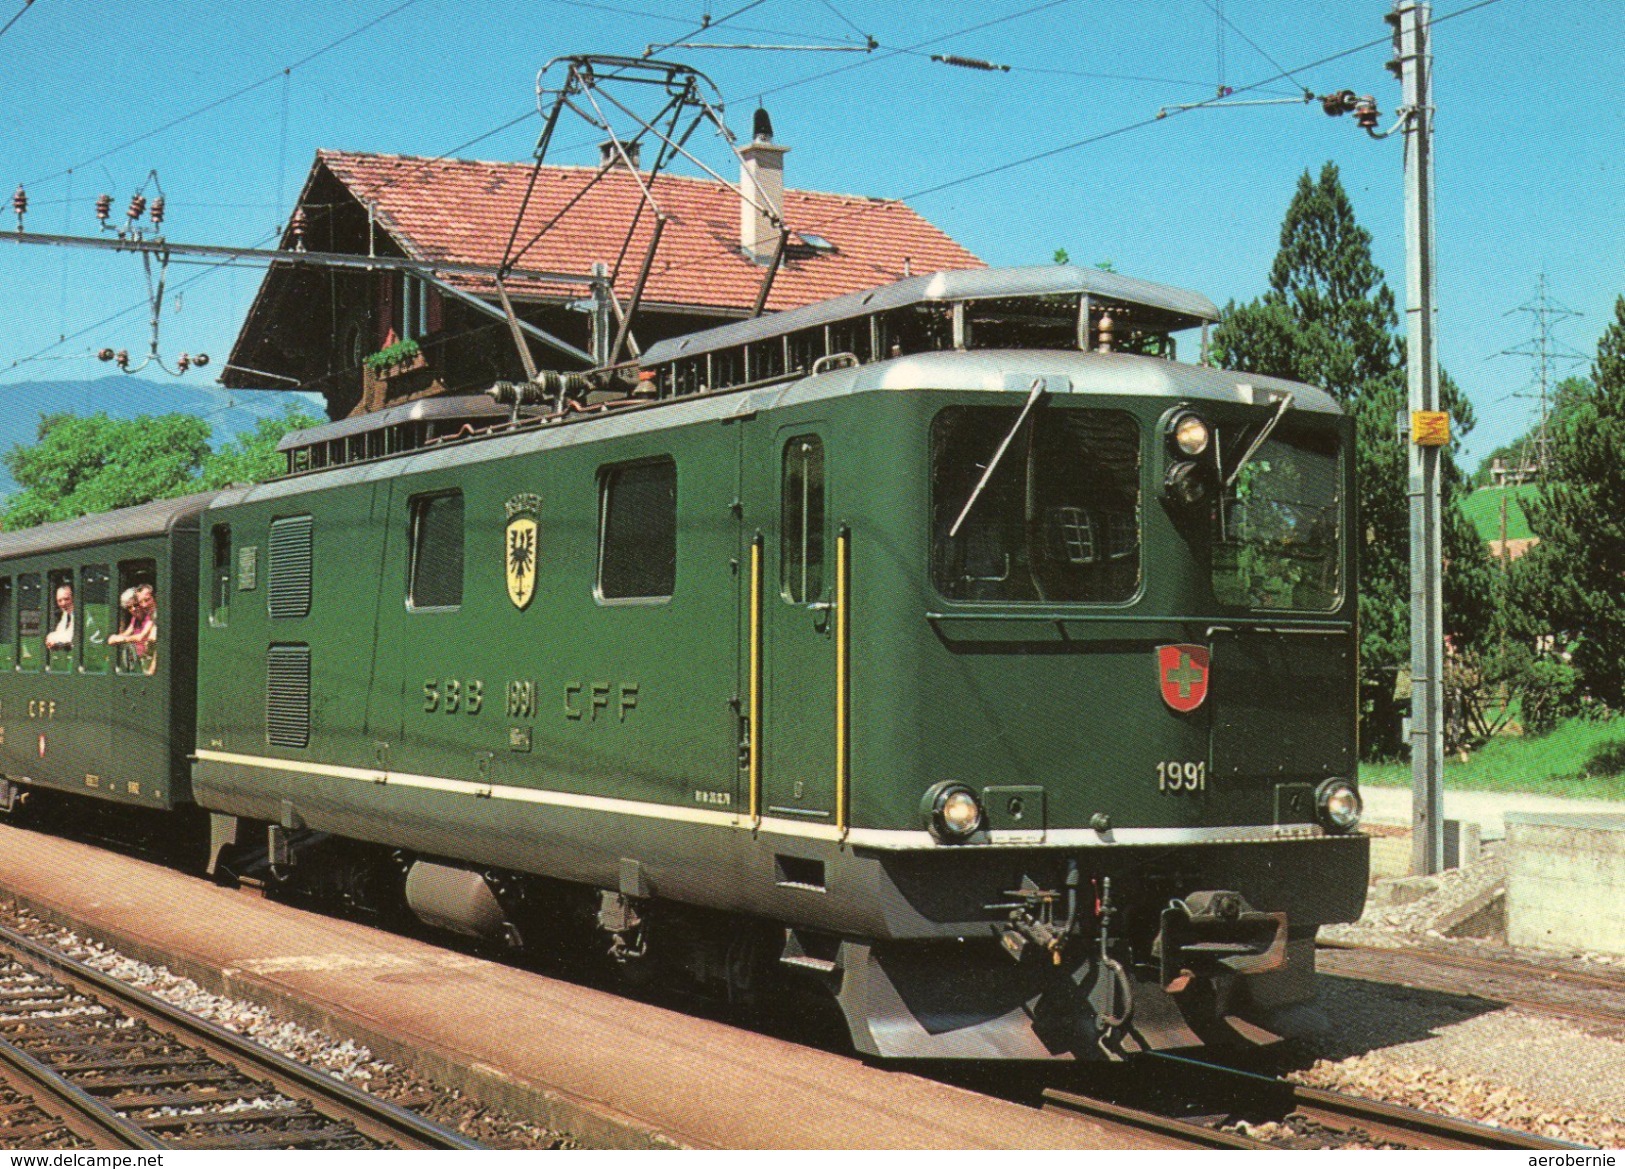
1573 994
88 1056
1220 1100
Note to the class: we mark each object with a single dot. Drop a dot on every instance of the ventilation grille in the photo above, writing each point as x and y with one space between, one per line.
289 593
287 696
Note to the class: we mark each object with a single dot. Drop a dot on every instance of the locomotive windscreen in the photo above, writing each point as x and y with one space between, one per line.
1058 522
1278 538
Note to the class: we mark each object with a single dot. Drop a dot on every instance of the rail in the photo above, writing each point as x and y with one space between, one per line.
144 1074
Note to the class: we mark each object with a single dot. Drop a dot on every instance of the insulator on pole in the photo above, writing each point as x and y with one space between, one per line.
183 363
104 355
158 211
19 204
122 357
104 208
138 205
1339 103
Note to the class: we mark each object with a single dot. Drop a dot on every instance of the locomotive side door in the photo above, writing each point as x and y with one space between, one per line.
798 731
381 745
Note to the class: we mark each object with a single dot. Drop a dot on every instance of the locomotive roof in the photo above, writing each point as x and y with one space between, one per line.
464 407
158 518
1173 308
987 370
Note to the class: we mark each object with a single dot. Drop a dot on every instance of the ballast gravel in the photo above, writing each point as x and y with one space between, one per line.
343 1059
1457 1054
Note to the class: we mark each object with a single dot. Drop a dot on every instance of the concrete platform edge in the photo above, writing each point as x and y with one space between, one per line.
593 1128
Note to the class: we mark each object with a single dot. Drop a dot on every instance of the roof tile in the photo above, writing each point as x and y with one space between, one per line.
460 211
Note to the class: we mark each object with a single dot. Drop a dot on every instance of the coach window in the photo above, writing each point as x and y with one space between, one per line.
8 641
138 618
220 575
30 622
437 552
801 527
637 541
96 620
60 621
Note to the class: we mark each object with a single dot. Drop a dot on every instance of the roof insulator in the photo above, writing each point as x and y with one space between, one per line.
297 226
761 126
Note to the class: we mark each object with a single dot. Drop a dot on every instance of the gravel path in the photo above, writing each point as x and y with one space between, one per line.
344 1059
1463 1055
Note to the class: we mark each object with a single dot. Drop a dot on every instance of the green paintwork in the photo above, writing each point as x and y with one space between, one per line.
116 735
639 701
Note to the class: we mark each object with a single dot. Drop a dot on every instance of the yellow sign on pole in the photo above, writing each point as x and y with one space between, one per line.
1430 428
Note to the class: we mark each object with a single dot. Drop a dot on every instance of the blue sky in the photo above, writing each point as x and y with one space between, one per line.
1531 126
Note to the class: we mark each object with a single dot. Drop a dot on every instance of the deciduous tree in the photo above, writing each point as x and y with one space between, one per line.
84 465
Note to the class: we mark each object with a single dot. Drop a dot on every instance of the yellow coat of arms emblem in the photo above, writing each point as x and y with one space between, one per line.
519 548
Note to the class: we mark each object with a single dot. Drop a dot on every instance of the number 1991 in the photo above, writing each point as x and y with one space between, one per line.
1173 776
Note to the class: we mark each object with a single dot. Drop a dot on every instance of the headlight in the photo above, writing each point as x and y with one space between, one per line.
953 812
1190 434
1338 804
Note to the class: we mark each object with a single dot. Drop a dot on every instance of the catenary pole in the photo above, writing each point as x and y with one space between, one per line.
1428 429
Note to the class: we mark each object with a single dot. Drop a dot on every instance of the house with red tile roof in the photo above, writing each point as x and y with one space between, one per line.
315 326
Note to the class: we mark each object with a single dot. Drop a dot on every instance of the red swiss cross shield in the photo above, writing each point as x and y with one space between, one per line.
1182 675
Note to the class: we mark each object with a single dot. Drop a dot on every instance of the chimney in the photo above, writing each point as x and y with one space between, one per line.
608 156
761 180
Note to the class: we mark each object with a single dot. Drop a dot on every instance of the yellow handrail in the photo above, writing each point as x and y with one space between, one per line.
754 743
843 710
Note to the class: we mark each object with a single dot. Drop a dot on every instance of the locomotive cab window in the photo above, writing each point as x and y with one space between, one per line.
1058 521
801 521
637 543
96 620
61 634
30 621
1277 543
437 552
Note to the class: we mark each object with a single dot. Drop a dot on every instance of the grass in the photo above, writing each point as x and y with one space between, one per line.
1483 509
1581 759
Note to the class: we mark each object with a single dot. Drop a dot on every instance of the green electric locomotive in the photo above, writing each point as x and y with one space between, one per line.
951 646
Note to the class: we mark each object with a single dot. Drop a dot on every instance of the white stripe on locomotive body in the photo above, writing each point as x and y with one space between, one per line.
874 838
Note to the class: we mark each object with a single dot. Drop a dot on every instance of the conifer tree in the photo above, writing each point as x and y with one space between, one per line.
1571 585
1329 319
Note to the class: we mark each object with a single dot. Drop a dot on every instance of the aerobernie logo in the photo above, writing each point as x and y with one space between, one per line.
519 546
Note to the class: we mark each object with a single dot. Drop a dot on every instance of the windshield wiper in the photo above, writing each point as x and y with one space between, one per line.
1033 398
1281 407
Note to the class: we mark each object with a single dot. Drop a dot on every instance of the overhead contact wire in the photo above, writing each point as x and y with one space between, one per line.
27 4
